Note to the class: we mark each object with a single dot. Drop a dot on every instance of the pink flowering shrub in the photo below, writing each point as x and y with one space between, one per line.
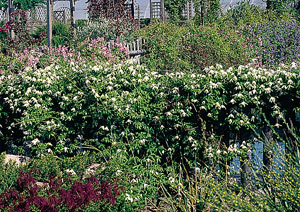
96 50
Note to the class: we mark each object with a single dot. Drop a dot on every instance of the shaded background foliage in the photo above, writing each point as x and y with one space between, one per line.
23 4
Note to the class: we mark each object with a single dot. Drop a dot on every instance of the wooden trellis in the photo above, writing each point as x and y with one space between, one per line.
49 18
38 14
62 14
3 15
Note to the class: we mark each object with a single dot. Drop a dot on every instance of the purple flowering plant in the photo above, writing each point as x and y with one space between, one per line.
275 42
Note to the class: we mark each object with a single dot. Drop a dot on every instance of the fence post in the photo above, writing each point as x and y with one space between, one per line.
190 8
64 17
187 10
49 22
162 10
10 10
151 11
72 7
132 9
139 16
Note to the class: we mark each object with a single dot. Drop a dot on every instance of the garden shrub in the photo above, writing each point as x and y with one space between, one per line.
207 46
173 48
57 194
110 29
40 57
61 107
164 47
245 13
8 173
275 42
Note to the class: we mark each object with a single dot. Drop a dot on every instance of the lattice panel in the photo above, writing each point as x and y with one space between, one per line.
2 15
60 16
156 7
66 10
39 14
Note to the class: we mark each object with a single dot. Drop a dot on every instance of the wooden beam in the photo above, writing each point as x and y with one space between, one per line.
162 10
10 11
151 11
132 9
72 7
139 16
49 23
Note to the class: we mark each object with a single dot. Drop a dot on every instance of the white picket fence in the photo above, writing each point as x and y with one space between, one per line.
135 49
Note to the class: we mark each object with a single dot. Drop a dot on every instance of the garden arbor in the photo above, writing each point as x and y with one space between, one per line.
49 18
49 3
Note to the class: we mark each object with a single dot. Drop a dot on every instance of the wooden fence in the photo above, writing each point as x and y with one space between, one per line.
135 49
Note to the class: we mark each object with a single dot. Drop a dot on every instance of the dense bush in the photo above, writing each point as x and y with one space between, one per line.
244 13
63 106
57 194
164 47
40 57
174 48
110 29
275 42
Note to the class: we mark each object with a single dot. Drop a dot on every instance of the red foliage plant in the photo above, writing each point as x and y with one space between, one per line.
27 194
108 9
117 10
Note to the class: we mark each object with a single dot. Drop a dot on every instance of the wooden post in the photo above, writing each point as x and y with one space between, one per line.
139 16
187 10
162 10
10 11
72 7
151 11
191 8
132 9
49 22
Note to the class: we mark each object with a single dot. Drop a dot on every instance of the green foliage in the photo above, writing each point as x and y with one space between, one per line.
8 173
175 8
167 129
61 32
173 48
23 4
206 11
165 47
110 29
244 13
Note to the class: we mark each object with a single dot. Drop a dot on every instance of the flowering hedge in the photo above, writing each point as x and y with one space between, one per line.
64 106
95 50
